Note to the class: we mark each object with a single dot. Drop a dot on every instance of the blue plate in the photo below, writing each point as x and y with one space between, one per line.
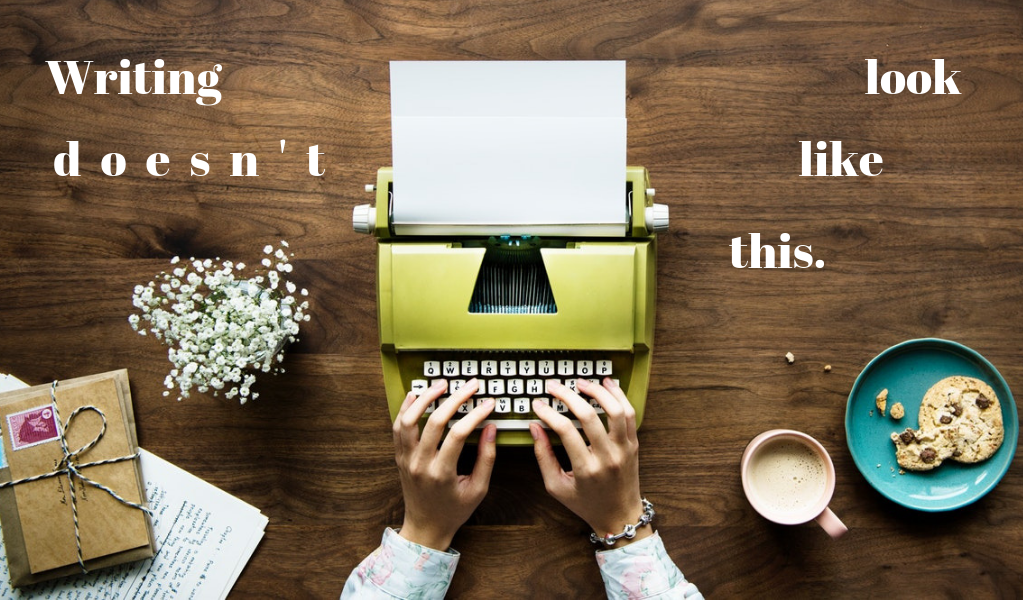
908 370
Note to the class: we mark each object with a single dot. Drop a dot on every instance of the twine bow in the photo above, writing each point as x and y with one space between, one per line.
70 466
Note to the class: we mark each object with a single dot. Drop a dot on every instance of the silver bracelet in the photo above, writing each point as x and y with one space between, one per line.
630 530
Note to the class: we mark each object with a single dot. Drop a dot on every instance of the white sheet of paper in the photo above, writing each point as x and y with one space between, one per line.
483 88
521 147
10 382
205 538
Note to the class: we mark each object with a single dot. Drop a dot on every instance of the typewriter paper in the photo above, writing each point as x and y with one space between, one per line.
509 148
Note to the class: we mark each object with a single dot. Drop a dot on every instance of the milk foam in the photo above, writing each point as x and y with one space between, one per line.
787 476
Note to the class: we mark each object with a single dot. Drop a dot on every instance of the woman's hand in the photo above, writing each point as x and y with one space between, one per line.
438 500
603 486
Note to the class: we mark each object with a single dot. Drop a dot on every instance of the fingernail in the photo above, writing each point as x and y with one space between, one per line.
536 403
491 434
439 384
532 431
473 382
582 382
488 402
552 385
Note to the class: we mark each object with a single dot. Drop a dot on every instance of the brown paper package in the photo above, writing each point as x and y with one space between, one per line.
36 517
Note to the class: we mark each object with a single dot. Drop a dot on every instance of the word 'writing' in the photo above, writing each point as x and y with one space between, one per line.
156 81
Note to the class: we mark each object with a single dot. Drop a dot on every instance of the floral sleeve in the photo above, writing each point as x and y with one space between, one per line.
402 569
643 570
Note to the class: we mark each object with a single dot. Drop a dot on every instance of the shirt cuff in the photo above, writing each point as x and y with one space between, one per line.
405 569
642 569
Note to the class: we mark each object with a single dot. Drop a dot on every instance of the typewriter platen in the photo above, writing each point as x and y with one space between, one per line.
515 311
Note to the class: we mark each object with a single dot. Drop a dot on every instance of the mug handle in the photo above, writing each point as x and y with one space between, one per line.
831 523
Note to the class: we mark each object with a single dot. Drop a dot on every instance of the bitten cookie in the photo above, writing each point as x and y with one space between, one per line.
923 450
970 408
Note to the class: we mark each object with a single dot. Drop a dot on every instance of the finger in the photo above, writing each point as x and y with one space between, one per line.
460 431
551 471
578 453
409 397
630 411
396 426
437 422
407 423
582 410
613 409
417 408
486 455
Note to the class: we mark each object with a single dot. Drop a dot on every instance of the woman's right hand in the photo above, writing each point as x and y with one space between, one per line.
603 486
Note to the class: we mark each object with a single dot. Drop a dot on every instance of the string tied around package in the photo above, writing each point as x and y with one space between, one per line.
70 466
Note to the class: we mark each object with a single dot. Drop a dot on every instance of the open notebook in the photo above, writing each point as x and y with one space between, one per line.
205 537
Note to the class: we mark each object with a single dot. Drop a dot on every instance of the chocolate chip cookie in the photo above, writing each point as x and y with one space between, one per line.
970 408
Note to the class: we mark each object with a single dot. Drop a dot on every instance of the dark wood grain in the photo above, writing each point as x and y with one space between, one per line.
719 95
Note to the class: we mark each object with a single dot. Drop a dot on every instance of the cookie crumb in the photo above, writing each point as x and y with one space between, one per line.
827 368
882 401
872 412
790 358
897 411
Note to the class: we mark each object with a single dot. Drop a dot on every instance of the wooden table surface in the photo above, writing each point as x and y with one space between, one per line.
719 96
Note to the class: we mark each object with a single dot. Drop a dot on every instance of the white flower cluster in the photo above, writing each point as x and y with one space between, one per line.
221 328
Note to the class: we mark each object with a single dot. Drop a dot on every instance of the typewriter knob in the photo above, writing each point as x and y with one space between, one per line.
651 192
371 187
657 218
364 218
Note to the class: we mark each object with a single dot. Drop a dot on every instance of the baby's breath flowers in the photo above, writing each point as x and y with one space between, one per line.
221 328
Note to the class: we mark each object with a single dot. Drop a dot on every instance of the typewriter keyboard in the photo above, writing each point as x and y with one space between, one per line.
513 383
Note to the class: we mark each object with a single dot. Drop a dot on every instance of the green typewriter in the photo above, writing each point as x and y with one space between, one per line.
508 298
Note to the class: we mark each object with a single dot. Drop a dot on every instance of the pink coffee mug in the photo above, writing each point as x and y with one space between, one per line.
789 478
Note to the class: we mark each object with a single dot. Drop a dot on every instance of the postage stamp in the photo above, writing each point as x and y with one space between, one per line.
32 427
